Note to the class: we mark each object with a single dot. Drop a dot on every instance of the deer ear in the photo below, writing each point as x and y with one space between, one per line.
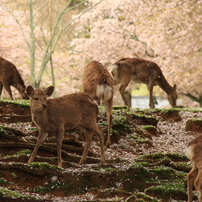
49 91
174 86
29 90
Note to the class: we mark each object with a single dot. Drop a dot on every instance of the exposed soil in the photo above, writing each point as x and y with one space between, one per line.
146 161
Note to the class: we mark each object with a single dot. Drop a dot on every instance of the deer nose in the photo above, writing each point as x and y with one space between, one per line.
44 106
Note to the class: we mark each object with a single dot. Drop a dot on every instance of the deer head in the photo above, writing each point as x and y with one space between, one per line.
38 97
172 96
22 91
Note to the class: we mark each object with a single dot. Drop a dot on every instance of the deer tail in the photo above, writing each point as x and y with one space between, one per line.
104 92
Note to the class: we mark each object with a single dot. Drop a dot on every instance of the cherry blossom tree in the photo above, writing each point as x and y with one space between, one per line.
166 32
42 26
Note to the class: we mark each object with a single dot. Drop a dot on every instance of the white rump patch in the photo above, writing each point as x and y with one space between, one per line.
104 92
189 152
199 194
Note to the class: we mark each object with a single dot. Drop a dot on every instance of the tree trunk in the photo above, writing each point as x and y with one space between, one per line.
195 98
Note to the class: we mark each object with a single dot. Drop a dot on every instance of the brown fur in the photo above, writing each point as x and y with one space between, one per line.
9 76
194 177
142 71
98 83
76 110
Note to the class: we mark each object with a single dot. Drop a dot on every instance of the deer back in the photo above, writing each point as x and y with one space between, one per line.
194 150
136 69
97 81
67 111
10 76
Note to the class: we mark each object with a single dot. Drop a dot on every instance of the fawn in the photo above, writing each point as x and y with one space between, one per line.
98 83
194 177
76 110
142 71
9 76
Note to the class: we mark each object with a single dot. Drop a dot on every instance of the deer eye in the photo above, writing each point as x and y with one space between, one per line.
36 98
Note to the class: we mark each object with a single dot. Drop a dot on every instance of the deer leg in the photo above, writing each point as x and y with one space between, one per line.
99 133
59 139
97 100
198 185
87 145
150 89
108 109
42 136
1 88
121 91
8 89
191 176
116 80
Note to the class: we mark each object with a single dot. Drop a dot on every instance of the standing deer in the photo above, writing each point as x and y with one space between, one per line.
9 76
98 83
194 177
142 71
76 110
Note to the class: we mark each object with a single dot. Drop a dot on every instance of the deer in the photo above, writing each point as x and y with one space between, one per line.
142 71
9 76
72 111
194 177
98 83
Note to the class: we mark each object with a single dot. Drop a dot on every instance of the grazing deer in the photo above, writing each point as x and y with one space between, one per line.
98 83
9 76
194 177
142 71
76 110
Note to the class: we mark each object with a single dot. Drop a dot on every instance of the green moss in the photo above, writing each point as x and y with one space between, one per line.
177 157
119 119
158 157
24 103
168 191
170 110
13 194
120 123
110 169
24 151
55 185
153 156
140 115
137 171
148 127
122 108
195 120
140 139
3 131
114 132
33 128
145 164
2 181
44 166
122 146
143 141
163 172
14 175
137 177
145 197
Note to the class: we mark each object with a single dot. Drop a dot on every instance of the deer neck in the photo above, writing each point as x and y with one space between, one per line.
19 87
40 117
164 85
